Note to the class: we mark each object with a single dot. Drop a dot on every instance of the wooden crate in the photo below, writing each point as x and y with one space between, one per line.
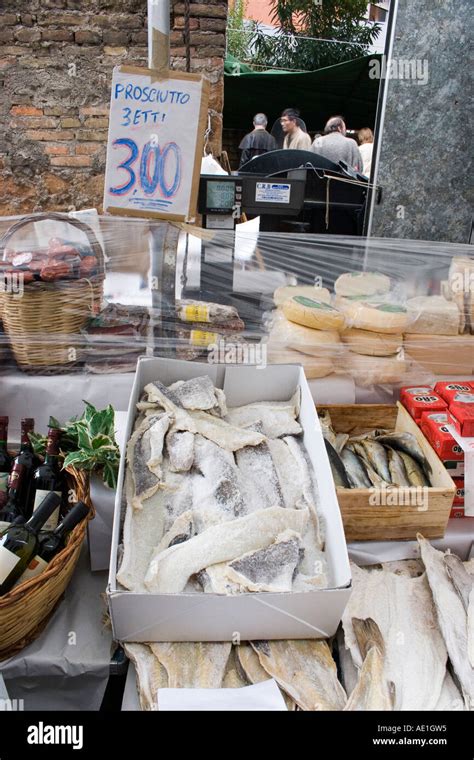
366 521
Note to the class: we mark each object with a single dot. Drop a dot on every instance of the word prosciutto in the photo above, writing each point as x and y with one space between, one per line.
46 734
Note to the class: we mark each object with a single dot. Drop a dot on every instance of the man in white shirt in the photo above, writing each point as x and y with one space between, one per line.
335 146
295 138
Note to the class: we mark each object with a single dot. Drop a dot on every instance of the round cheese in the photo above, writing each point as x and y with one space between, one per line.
376 315
372 343
312 313
369 370
314 367
361 284
310 291
285 334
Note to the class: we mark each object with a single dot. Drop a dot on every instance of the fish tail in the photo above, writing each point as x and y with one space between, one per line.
368 635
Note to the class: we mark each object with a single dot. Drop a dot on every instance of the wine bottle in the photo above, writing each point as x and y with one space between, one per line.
27 458
51 543
48 477
5 460
19 543
13 506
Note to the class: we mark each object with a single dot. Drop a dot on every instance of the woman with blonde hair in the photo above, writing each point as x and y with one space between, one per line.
365 138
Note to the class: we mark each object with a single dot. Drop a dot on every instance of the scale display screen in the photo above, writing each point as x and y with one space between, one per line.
220 196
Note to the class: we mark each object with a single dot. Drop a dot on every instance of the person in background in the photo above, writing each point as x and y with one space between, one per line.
335 146
365 137
257 142
295 138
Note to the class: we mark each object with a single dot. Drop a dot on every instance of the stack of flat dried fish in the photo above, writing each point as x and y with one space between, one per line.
304 670
219 500
375 458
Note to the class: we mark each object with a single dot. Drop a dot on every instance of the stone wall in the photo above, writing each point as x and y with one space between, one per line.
56 61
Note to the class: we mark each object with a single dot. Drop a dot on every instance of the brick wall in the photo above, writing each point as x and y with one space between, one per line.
56 61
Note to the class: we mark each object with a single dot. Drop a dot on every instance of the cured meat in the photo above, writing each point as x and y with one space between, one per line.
372 691
193 665
305 670
151 675
259 476
268 569
205 311
415 654
216 493
169 571
451 615
180 449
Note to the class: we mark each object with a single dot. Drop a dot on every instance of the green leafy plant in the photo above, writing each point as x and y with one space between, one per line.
87 442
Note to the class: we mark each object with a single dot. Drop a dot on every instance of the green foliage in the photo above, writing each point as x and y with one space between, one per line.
324 19
87 442
240 31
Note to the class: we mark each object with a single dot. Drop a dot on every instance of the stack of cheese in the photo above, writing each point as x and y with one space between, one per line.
374 327
305 330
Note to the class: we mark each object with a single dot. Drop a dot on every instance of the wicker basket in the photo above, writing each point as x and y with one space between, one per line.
25 610
41 325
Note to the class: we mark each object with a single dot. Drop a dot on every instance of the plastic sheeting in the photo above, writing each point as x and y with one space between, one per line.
191 293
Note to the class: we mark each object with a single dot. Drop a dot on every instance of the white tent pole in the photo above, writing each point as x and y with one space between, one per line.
158 34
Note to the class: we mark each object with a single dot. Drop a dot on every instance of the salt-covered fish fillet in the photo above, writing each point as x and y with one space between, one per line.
259 478
197 393
451 615
469 565
181 530
278 418
464 585
215 580
249 665
144 447
450 698
268 569
221 432
413 568
305 670
150 673
372 691
180 449
169 571
216 493
234 677
287 470
193 665
415 653
313 539
157 393
349 672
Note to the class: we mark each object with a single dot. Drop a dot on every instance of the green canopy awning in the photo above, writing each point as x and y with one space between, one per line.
345 88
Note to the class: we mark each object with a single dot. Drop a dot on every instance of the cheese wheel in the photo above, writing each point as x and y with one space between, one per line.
433 315
314 367
285 334
310 291
312 313
361 284
376 315
369 370
372 343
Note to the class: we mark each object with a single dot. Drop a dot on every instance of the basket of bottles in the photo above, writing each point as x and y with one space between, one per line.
61 288
44 513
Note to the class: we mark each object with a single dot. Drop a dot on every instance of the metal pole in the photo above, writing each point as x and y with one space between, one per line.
158 34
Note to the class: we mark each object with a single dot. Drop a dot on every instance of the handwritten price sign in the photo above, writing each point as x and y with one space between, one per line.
155 143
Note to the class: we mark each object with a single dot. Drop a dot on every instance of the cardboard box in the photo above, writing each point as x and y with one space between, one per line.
417 401
457 512
461 410
448 390
454 469
212 617
459 495
434 425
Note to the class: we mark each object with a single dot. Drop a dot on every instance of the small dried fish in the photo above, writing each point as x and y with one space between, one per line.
169 571
398 473
193 665
327 427
341 440
337 467
355 469
407 443
305 670
377 457
373 476
372 691
415 474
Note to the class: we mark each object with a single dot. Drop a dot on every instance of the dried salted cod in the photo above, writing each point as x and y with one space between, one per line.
349 672
180 449
278 418
451 615
181 530
169 570
372 691
313 540
287 470
215 482
268 569
197 393
234 677
214 580
403 609
464 585
249 665
193 665
150 673
144 456
259 478
412 568
305 670
450 698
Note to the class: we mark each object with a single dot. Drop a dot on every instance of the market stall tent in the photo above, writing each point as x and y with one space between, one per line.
346 88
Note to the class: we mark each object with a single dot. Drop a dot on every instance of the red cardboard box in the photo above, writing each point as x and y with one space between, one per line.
459 495
457 512
417 400
434 426
462 412
447 391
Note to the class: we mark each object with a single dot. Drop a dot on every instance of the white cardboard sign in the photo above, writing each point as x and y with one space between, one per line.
156 134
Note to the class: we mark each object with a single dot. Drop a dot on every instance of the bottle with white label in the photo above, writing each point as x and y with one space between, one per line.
5 460
48 478
19 543
51 543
